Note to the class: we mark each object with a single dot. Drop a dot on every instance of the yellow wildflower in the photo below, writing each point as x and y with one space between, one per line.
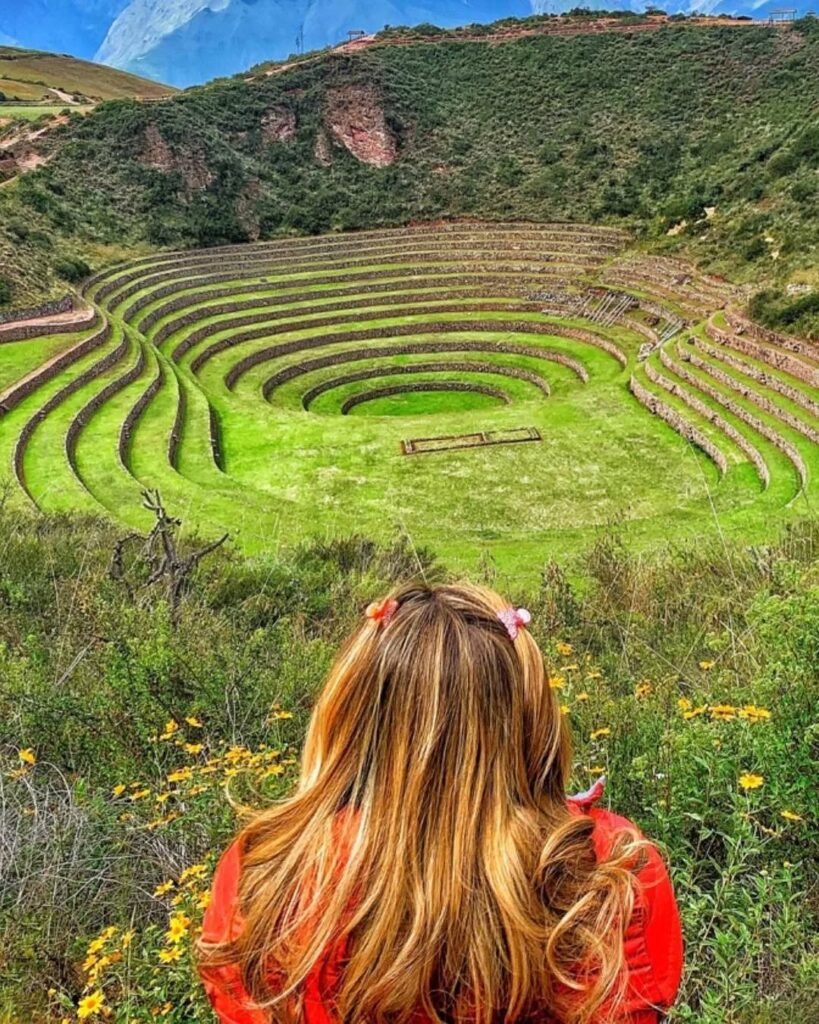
195 871
753 713
595 769
582 696
565 650
791 816
748 780
163 889
27 756
127 938
193 748
96 945
203 902
281 715
193 722
594 674
695 712
171 727
90 1005
140 794
170 956
643 689
599 733
706 665
180 775
564 709
557 682
684 704
723 712
179 925
118 790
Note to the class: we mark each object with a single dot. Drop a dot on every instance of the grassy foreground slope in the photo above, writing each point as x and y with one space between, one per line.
708 132
689 678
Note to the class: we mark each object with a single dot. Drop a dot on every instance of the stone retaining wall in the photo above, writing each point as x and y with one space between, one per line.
215 438
25 331
742 325
52 308
304 344
686 430
768 380
752 395
773 357
753 422
442 366
23 438
96 402
178 424
708 413
400 389
307 323
15 395
284 311
133 417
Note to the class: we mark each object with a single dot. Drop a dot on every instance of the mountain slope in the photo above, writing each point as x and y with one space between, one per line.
29 74
708 133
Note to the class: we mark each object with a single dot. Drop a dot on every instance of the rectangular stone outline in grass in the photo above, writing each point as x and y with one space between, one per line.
448 442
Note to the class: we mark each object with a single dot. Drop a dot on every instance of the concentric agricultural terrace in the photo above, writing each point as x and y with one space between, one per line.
269 390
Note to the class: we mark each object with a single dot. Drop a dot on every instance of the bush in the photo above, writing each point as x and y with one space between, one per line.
71 268
5 292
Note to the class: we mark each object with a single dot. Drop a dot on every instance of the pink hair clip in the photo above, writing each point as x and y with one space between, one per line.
381 612
515 619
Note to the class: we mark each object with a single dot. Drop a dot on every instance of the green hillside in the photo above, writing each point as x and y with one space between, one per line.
707 132
27 75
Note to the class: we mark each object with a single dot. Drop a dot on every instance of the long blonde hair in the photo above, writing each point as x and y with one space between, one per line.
430 839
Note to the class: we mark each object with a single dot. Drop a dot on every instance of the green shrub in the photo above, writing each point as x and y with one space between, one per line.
71 268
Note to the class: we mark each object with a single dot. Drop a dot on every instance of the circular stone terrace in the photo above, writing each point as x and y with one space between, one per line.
274 390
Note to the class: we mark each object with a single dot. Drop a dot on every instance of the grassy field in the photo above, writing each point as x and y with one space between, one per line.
33 112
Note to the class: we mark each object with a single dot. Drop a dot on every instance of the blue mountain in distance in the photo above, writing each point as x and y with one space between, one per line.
184 42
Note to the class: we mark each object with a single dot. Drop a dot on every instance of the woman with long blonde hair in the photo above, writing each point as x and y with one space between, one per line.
429 868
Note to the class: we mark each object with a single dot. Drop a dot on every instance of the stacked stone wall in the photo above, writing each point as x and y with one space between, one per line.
685 429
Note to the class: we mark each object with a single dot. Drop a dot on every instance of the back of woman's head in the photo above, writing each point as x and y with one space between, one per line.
429 838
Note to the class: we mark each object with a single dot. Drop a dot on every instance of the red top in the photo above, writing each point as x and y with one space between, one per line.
653 940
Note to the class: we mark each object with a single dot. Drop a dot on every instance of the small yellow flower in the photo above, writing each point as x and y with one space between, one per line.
203 902
90 1005
706 665
140 794
193 722
195 871
695 712
753 713
791 816
643 689
599 733
118 790
127 938
96 945
565 650
170 956
557 682
594 674
27 756
595 769
180 775
748 780
723 712
282 715
163 889
193 748
564 709
171 727
179 925
582 696
684 704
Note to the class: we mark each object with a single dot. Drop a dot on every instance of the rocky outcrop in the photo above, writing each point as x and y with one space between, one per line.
191 164
278 125
354 115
